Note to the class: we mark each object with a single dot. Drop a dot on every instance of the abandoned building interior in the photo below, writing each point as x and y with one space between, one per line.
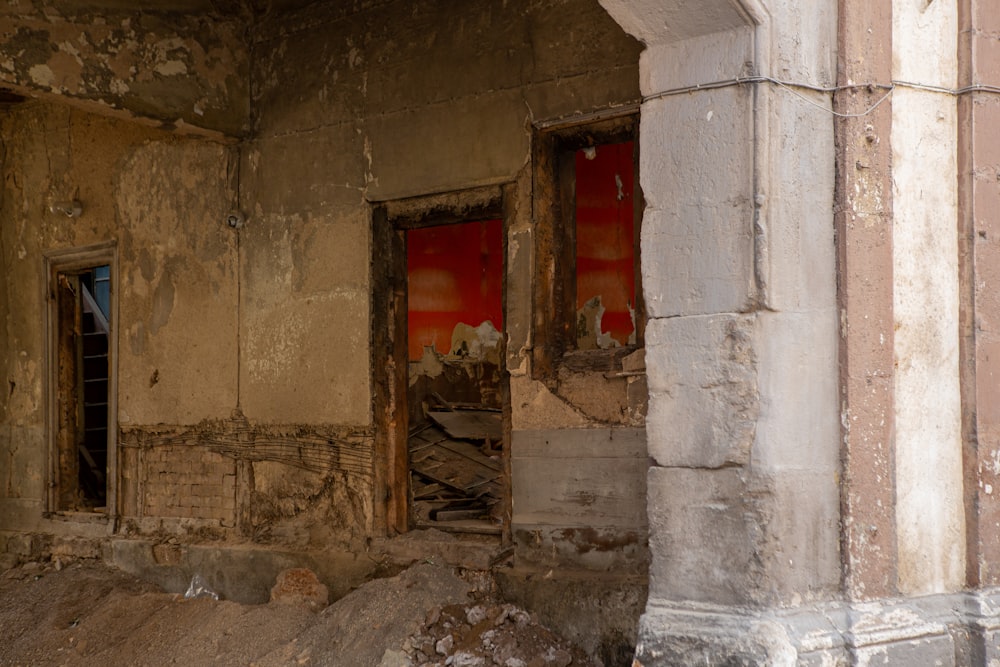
657 309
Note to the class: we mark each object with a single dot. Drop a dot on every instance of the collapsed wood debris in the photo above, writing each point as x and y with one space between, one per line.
456 469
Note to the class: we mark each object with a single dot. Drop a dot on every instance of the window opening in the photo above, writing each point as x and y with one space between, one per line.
83 306
605 246
588 310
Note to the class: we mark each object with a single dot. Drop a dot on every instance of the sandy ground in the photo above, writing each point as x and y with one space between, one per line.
85 613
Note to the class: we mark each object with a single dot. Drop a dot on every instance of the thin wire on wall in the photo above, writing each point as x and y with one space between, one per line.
794 87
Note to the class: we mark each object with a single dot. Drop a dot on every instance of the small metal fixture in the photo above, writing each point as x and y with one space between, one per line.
71 208
235 219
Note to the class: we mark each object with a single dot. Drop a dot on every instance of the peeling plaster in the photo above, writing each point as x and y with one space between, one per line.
536 408
162 67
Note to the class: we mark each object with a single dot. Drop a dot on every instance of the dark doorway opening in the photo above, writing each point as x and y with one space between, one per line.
83 388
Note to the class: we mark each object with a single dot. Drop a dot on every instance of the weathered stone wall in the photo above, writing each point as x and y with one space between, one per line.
739 270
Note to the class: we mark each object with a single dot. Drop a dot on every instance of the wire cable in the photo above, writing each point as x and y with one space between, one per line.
794 87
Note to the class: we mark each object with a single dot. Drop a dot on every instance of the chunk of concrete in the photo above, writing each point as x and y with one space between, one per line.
300 585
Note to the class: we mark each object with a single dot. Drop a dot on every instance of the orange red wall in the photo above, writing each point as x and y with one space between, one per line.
455 275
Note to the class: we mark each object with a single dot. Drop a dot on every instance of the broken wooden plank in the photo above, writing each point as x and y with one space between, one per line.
469 452
430 492
443 402
470 424
460 478
474 526
417 430
439 480
420 448
459 514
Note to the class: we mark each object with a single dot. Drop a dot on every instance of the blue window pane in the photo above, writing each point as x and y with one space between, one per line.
102 289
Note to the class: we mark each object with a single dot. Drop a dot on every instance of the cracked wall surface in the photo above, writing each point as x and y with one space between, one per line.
162 200
349 107
174 69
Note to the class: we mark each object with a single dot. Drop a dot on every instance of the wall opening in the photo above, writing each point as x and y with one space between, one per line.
441 390
606 244
82 382
588 292
455 350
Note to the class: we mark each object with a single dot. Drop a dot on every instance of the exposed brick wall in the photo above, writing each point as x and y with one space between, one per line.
188 481
274 483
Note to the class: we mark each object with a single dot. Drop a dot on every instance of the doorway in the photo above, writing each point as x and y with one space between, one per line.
454 382
82 382
441 390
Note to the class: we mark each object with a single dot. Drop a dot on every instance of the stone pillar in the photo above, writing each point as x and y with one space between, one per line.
863 218
979 254
739 269
929 507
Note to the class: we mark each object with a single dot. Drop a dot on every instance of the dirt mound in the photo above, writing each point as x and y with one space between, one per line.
88 614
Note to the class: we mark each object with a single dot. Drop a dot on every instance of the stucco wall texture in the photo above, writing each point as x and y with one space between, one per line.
345 108
177 70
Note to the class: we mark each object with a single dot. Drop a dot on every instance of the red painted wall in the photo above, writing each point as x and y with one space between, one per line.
605 245
455 274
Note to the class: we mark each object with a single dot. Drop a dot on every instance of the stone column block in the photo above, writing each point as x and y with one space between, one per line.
704 401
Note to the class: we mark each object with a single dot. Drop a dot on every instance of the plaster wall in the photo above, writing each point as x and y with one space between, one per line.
179 71
382 111
159 199
930 519
178 331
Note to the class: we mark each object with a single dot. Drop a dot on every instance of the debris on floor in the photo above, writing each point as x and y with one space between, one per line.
488 635
456 470
68 612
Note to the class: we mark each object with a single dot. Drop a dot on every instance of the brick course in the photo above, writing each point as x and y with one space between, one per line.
188 481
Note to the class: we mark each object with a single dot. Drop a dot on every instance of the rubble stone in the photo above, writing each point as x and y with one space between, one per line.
300 586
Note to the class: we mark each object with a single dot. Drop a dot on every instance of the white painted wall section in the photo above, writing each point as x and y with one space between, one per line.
929 514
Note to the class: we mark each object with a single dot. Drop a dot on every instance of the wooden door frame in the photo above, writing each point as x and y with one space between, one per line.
72 260
390 222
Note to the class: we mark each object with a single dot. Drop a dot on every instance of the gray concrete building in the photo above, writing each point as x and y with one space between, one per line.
708 288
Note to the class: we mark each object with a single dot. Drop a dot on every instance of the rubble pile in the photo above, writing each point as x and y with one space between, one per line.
81 612
488 635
